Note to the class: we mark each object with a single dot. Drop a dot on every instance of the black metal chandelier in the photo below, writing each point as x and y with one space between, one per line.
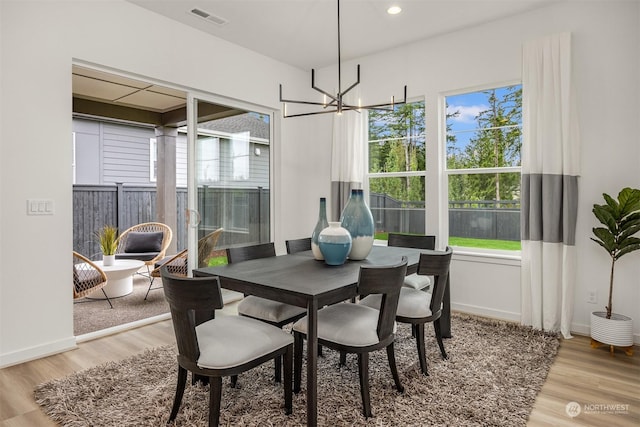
336 102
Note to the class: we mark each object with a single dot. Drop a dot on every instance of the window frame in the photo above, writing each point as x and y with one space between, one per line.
446 172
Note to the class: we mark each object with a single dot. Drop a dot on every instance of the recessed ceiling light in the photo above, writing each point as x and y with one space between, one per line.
394 10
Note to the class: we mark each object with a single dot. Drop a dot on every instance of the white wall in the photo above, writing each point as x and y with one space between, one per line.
40 39
606 62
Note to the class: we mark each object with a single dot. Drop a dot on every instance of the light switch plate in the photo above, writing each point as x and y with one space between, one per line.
40 207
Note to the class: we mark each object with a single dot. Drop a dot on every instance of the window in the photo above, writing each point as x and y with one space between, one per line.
396 173
208 164
483 143
153 160
240 155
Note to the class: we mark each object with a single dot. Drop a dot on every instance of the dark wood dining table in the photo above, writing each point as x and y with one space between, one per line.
299 279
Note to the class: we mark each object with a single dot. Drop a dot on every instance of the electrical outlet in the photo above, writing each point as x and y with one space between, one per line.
592 297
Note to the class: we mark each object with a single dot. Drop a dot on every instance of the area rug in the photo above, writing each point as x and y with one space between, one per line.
494 372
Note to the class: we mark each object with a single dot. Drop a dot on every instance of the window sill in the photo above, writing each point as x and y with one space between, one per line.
486 256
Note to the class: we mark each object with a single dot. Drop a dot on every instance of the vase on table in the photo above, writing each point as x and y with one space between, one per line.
320 225
108 260
357 219
335 244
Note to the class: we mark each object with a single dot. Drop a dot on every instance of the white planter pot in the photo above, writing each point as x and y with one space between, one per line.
108 260
617 331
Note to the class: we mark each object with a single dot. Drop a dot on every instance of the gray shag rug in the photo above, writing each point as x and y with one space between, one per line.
494 372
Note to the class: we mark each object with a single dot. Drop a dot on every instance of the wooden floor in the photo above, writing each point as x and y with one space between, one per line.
606 387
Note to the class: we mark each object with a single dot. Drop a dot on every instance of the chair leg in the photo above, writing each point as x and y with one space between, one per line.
278 368
288 368
343 358
297 359
107 297
363 370
150 282
182 381
421 352
391 355
215 395
436 326
234 381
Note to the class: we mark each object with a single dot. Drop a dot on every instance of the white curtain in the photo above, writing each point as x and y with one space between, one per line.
550 169
347 158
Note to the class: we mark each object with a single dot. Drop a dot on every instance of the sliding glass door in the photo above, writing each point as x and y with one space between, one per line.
229 152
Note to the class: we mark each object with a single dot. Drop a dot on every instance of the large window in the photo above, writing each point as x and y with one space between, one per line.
483 167
396 177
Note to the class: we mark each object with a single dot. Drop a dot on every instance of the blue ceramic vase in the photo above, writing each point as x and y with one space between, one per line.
357 219
335 244
320 225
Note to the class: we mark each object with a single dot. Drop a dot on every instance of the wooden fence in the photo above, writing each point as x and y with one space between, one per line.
244 213
486 219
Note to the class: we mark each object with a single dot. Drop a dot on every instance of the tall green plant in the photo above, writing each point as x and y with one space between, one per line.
108 239
621 219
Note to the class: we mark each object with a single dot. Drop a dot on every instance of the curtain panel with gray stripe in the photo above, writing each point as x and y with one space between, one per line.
549 193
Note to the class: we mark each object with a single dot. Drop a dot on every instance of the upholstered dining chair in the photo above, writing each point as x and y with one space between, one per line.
417 307
87 277
272 312
146 242
355 328
222 346
177 264
416 241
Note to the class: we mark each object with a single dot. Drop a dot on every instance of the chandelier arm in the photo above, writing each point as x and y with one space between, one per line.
309 114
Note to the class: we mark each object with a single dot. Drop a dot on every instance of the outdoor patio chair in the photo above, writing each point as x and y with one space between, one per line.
177 264
146 242
87 278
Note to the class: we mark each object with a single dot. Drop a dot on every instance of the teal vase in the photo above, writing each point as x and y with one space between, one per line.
320 225
357 219
335 244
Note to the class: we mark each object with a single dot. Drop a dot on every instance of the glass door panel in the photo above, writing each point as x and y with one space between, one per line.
229 177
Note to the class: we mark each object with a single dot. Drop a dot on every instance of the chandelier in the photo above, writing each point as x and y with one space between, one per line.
335 103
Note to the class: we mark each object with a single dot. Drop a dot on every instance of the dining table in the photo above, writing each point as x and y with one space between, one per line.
301 280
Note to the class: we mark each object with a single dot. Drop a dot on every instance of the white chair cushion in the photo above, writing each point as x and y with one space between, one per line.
346 323
268 310
229 341
416 281
412 303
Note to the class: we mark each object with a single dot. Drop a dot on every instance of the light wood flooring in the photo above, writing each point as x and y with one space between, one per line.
580 374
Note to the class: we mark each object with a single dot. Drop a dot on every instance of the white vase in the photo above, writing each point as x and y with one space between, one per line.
108 260
335 244
617 331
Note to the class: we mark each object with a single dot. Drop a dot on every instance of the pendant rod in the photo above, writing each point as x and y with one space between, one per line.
339 65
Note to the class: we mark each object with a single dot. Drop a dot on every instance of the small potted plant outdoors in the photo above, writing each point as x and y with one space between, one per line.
108 240
621 220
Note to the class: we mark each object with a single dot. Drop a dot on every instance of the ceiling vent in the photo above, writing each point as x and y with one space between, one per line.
209 17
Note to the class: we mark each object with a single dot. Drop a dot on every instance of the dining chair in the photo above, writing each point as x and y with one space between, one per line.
87 277
146 242
273 312
219 347
417 307
416 241
177 264
298 245
355 328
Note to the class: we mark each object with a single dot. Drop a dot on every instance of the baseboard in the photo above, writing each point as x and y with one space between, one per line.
37 352
121 328
486 312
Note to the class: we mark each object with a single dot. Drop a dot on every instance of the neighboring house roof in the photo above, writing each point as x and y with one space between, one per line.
258 127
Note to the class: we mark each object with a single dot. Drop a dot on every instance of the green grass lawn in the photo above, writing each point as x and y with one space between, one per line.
505 245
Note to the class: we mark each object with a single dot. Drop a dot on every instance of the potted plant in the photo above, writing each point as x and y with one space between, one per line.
108 240
621 220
